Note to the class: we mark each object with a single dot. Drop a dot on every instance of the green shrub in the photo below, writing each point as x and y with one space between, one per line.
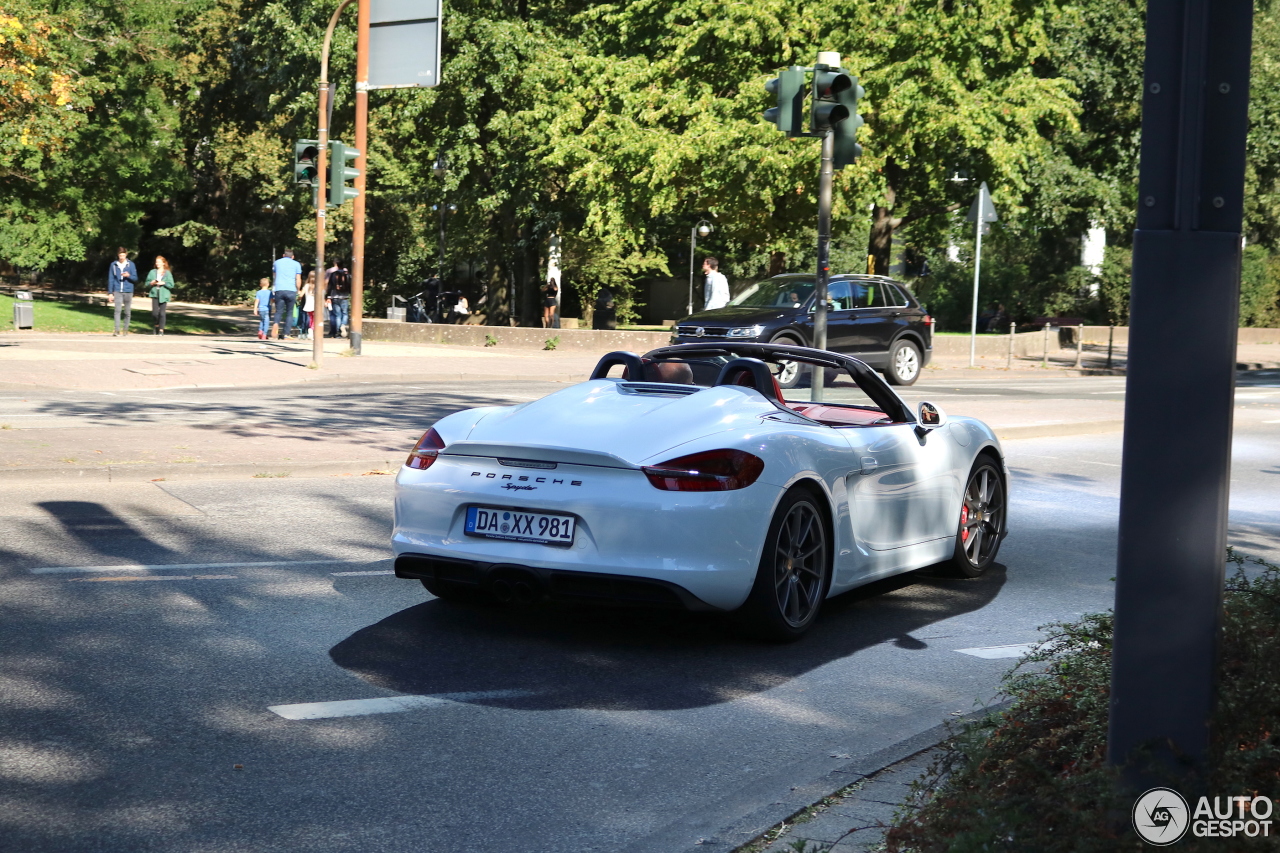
1034 776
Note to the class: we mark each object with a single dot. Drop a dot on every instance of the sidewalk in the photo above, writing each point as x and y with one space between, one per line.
64 443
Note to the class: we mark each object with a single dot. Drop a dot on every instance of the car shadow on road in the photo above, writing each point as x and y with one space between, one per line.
552 657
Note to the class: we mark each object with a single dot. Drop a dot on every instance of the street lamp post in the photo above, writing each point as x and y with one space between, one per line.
702 229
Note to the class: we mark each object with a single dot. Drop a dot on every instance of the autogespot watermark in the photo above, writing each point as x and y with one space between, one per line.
1162 817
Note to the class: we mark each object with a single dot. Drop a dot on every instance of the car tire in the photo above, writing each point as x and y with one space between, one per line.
982 518
904 363
794 574
790 373
457 593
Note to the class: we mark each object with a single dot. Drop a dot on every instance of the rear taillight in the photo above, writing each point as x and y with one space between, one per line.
712 471
425 451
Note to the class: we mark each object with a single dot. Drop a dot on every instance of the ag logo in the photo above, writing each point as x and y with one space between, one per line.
699 332
1160 817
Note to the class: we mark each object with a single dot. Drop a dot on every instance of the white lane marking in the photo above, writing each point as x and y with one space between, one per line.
360 574
154 578
998 652
385 705
64 570
1271 422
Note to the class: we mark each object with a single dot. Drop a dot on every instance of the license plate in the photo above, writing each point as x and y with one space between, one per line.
541 527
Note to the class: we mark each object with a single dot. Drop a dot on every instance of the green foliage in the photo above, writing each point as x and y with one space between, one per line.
168 128
1034 777
552 343
1260 288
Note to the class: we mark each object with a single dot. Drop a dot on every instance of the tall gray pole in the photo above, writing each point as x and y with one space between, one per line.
825 173
693 247
977 268
1175 477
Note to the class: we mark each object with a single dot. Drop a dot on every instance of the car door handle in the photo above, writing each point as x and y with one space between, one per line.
868 464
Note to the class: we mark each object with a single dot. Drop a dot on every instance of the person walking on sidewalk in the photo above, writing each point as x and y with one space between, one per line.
716 292
338 280
121 278
160 287
262 308
284 289
307 319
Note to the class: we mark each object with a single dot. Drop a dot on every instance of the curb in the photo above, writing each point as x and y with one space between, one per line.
1061 430
190 472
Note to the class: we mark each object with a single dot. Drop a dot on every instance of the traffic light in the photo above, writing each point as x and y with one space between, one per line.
826 111
788 86
847 149
340 172
306 159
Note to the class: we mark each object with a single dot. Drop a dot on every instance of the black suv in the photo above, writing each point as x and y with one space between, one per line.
871 317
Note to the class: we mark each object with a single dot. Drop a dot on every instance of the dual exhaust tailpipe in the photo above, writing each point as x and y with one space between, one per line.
515 586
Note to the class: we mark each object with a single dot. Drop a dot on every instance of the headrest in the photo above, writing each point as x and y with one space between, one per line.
674 372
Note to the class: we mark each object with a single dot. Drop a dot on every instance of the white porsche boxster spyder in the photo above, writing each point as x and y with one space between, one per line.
687 480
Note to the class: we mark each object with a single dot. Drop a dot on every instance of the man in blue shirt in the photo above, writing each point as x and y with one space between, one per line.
120 280
284 287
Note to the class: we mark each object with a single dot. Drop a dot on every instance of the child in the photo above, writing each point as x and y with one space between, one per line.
262 307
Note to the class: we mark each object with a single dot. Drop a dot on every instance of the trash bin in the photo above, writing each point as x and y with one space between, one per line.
396 314
24 315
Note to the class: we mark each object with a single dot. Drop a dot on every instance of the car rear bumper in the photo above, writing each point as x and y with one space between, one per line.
703 544
528 584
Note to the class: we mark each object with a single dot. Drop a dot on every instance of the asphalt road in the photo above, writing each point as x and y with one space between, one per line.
148 630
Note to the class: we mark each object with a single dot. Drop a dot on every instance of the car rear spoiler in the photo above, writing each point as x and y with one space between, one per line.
534 453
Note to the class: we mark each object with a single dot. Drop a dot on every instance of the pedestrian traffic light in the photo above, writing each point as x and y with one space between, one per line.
847 149
340 172
827 111
788 87
306 160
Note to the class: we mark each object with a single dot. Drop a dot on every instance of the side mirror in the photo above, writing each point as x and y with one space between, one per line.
929 417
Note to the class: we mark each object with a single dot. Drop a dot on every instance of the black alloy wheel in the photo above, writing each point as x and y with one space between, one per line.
904 363
794 573
981 521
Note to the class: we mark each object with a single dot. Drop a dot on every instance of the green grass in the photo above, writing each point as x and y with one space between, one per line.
83 317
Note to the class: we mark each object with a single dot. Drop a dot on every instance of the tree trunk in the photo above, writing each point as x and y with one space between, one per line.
880 244
777 263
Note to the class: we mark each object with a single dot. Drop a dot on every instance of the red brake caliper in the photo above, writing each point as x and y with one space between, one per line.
964 519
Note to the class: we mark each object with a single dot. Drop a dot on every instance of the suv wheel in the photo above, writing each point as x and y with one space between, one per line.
904 363
789 372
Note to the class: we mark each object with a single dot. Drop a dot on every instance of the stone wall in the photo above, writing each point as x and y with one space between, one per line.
569 339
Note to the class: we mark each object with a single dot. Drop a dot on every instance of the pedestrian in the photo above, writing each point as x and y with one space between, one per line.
121 278
716 291
307 326
160 288
338 282
550 295
284 289
262 308
461 310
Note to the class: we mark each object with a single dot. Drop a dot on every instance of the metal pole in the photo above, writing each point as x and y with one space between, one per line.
1111 339
693 247
1079 343
1013 334
317 343
1175 474
1044 358
977 267
441 208
825 174
355 325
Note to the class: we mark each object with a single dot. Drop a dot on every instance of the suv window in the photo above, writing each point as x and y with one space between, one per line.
868 294
894 296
